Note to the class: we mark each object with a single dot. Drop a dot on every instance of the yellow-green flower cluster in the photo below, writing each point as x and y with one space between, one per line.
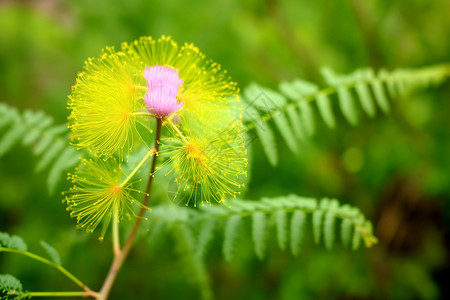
98 194
204 147
209 160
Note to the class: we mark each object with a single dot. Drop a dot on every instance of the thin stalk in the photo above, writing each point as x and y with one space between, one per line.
116 238
56 294
50 263
174 127
141 163
141 114
120 258
140 87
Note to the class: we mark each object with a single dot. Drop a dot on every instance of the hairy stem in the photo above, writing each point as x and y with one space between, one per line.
52 264
122 254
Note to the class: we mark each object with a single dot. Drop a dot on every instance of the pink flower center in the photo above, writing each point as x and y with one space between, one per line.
162 84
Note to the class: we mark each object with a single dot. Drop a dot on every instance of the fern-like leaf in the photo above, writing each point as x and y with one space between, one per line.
12 242
363 84
49 142
325 215
195 268
52 253
10 287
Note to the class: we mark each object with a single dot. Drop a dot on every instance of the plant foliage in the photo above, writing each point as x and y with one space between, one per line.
49 142
292 108
12 242
10 287
289 215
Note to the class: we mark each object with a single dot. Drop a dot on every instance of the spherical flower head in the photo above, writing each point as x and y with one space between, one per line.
161 97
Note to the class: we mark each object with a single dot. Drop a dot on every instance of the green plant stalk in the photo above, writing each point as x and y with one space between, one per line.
50 263
141 163
120 257
115 233
55 294
175 128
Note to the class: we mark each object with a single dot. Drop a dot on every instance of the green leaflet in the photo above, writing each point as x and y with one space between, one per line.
317 225
324 104
297 125
53 254
346 232
67 159
259 233
11 137
264 133
193 264
380 95
283 127
281 225
12 241
363 92
298 221
347 105
205 236
231 233
298 90
356 240
328 229
307 116
49 155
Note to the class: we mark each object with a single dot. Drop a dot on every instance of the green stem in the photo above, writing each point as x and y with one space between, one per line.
141 114
115 232
150 153
50 263
122 255
174 127
55 294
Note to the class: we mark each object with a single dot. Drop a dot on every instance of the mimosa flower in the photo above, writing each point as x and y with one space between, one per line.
97 195
162 84
119 93
205 84
112 91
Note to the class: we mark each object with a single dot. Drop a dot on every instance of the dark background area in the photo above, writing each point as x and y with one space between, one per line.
394 167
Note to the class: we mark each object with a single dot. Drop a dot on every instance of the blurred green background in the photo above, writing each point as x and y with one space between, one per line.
395 168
